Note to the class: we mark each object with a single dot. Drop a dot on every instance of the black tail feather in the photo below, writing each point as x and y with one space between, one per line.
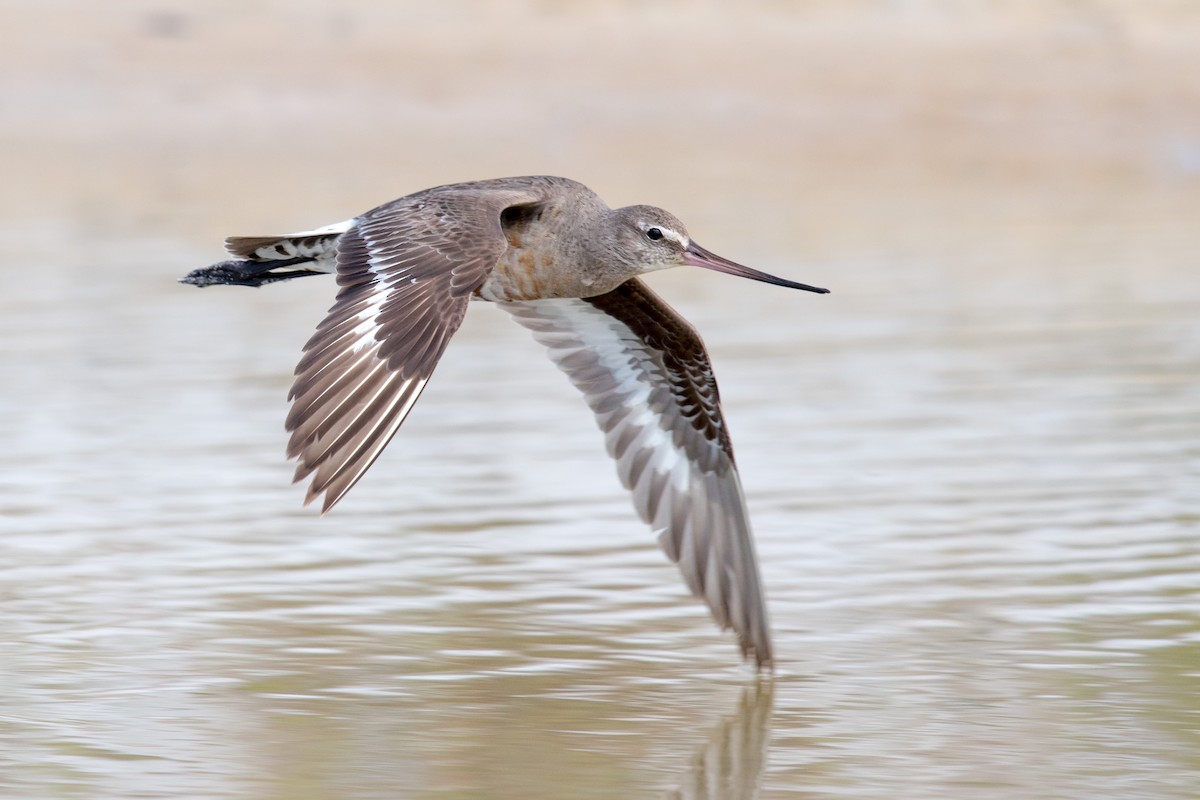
249 273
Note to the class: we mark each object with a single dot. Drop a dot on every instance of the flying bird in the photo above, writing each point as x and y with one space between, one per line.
549 252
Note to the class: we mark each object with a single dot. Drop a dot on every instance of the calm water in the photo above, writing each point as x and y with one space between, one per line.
975 500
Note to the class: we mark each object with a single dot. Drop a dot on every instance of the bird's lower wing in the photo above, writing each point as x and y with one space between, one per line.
407 271
646 376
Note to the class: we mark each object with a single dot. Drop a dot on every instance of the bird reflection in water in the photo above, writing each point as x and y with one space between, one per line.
730 764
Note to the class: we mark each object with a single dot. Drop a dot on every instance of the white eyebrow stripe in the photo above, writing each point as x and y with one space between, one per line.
668 233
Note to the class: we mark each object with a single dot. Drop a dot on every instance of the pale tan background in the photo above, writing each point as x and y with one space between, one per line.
813 128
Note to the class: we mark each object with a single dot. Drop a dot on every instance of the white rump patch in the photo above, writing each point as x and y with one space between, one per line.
337 227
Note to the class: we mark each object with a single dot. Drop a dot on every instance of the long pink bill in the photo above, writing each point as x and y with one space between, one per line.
697 256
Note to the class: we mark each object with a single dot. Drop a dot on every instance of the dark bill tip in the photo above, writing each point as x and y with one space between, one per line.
697 256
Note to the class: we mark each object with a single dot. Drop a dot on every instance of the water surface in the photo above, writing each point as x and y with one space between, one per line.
976 517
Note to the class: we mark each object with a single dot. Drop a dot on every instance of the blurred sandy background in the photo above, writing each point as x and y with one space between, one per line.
796 130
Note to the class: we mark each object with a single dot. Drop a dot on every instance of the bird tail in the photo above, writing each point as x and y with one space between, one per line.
267 259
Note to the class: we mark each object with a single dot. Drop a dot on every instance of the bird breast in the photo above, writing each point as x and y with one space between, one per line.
533 269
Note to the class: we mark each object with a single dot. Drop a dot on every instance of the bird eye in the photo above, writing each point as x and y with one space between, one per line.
654 233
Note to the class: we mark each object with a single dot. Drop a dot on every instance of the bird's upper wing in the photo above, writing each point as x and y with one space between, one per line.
406 270
646 375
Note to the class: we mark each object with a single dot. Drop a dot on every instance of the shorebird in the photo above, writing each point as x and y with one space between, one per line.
551 253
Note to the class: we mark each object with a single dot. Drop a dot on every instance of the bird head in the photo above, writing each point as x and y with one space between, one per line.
649 239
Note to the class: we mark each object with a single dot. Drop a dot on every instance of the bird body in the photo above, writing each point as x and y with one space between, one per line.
551 253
